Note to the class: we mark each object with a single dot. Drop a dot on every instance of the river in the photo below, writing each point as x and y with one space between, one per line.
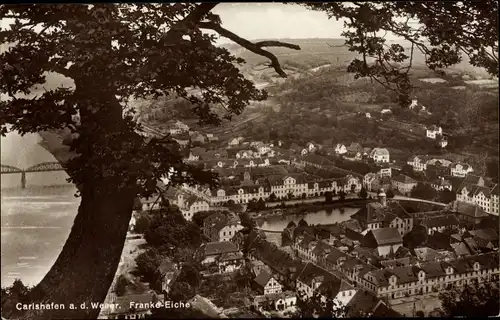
36 221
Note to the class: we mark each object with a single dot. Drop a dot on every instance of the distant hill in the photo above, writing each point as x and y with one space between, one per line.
320 51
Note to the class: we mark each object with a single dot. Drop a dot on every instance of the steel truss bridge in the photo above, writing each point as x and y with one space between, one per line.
41 167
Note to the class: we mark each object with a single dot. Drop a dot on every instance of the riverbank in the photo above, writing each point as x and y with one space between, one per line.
299 209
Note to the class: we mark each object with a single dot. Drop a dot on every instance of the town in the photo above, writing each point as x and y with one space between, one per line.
392 235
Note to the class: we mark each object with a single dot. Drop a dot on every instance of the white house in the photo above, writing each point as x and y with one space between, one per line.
340 149
413 105
419 163
192 205
380 155
443 142
267 284
460 169
433 132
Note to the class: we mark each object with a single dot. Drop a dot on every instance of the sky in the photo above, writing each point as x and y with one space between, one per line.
272 21
276 21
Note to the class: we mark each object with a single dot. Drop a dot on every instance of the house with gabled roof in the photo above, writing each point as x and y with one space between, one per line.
209 252
458 169
418 163
384 214
477 190
221 226
385 240
433 276
380 155
439 223
340 149
433 132
403 183
266 283
190 204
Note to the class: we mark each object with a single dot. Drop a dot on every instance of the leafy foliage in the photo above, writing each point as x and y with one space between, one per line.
142 223
389 194
476 300
115 52
415 238
16 293
147 265
318 306
423 191
169 231
121 285
362 193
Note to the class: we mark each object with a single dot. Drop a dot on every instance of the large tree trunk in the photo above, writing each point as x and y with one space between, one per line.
85 269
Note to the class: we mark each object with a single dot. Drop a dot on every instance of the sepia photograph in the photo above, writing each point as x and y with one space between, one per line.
249 160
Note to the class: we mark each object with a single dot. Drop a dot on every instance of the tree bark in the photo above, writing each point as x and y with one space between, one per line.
85 269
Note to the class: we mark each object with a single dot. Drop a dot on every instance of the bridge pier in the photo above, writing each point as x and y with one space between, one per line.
23 180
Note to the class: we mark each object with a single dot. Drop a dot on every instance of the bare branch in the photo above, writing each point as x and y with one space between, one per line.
254 47
271 43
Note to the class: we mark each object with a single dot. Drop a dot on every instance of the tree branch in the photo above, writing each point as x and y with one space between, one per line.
271 43
254 47
190 20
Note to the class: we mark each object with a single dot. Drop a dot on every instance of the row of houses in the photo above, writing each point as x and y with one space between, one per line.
281 185
456 169
395 281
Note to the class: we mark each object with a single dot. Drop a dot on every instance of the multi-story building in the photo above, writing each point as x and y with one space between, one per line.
384 214
460 169
221 226
400 282
282 186
385 240
403 183
433 132
313 279
267 284
380 155
190 204
475 190
418 163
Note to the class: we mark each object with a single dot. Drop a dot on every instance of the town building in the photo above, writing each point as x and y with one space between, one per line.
230 261
441 184
221 226
475 190
440 223
190 204
418 163
401 282
469 214
168 272
380 155
434 132
340 149
384 214
460 169
267 284
210 252
313 279
385 240
403 183
284 301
